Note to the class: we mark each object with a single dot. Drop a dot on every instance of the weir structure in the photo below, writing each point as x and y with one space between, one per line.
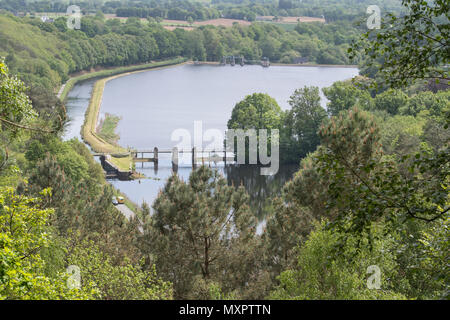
152 155
233 60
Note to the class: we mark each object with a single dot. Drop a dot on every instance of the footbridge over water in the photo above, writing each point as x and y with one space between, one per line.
152 155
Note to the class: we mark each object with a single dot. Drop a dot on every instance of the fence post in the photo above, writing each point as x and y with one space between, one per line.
175 159
155 155
194 157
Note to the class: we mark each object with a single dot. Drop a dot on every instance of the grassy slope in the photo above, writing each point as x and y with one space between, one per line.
32 47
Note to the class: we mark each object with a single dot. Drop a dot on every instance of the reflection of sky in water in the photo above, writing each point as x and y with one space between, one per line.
77 103
153 104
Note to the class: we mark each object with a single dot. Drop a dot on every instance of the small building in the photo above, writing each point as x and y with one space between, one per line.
47 19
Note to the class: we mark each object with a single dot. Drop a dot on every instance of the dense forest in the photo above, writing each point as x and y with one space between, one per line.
43 55
372 188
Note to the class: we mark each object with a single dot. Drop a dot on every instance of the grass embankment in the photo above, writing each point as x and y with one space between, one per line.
107 128
89 129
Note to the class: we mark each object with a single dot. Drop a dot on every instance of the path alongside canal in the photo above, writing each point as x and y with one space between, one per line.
89 128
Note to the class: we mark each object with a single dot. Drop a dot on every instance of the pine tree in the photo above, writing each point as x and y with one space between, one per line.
198 228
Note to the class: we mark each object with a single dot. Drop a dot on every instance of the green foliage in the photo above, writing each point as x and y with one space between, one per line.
202 227
391 101
16 111
370 187
286 229
74 165
23 226
322 273
344 95
401 134
124 281
107 128
414 46
15 107
380 180
432 267
256 111
301 123
426 100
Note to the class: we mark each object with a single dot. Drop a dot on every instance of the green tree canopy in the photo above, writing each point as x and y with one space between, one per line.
411 46
302 121
202 227
344 95
23 233
256 111
321 273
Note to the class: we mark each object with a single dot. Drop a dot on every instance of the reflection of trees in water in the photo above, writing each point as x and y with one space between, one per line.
260 188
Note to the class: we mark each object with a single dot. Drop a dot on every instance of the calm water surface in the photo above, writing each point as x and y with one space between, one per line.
153 104
77 103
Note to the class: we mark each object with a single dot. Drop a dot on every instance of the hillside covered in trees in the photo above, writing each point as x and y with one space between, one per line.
43 55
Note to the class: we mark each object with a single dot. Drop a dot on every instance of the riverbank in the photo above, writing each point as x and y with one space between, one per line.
215 63
315 65
89 129
106 72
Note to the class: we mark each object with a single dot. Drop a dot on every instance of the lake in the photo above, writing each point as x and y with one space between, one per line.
152 104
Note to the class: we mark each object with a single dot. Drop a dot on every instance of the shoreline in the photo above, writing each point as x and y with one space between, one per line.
214 63
89 127
107 72
315 65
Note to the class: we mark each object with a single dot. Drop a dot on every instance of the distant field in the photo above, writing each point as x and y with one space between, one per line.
285 26
286 23
172 24
50 14
222 22
292 19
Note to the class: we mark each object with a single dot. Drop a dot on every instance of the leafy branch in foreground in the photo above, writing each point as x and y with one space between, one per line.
23 233
366 186
16 110
410 47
